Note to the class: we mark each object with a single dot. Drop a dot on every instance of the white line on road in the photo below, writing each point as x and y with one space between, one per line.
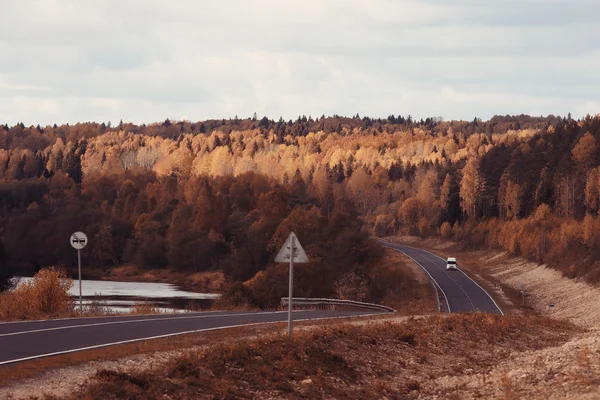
166 315
424 269
173 334
454 280
139 320
485 291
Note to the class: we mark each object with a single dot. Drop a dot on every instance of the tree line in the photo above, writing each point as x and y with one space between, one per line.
222 194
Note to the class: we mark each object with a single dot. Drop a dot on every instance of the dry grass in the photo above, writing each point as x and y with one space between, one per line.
414 294
63 372
144 308
205 282
45 296
396 360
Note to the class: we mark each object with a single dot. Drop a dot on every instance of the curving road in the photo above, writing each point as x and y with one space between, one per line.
459 292
21 341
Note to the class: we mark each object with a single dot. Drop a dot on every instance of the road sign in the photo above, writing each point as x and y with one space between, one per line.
284 253
291 252
79 240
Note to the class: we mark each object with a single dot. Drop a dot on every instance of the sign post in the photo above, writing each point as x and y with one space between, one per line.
79 241
291 287
291 251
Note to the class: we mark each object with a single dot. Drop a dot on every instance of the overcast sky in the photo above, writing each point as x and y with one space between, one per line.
147 60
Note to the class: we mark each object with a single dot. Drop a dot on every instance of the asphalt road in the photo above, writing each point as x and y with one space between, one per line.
459 292
21 341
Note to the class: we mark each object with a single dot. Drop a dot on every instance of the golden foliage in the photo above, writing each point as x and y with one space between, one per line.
584 150
469 186
411 212
446 230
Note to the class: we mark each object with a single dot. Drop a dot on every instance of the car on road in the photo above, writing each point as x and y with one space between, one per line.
451 264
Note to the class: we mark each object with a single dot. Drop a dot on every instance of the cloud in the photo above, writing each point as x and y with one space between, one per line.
145 60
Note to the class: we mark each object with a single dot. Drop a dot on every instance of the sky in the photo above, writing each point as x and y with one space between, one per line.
142 61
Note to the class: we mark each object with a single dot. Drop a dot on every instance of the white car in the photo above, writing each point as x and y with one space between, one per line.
451 264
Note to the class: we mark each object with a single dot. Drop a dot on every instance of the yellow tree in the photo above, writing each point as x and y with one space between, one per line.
592 190
411 212
363 190
585 158
584 151
469 187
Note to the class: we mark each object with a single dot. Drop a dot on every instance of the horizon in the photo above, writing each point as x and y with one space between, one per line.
293 120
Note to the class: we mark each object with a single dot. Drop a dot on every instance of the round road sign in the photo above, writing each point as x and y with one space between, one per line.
78 240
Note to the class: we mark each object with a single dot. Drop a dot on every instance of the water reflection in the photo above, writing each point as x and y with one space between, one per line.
122 297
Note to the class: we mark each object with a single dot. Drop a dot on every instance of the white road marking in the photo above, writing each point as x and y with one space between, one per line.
166 315
457 284
491 298
471 279
427 272
137 320
175 334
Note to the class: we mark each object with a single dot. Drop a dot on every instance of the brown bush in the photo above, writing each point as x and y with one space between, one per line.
45 296
384 225
351 286
144 308
446 230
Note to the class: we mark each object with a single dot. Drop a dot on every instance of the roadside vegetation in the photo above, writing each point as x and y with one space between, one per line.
396 360
222 195
45 296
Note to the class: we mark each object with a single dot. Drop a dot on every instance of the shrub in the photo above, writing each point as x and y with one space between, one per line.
446 230
384 225
45 296
351 286
144 308
236 295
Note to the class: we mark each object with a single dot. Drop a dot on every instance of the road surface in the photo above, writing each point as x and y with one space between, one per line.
21 341
459 293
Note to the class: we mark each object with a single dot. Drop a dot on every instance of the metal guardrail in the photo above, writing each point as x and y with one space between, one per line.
333 303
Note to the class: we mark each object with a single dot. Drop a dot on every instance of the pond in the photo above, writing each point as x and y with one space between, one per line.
121 297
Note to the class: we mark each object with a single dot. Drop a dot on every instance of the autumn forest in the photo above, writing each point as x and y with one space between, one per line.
224 195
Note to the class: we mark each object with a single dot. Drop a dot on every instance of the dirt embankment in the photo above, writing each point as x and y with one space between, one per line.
384 360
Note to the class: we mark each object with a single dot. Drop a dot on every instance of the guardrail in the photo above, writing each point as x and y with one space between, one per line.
333 304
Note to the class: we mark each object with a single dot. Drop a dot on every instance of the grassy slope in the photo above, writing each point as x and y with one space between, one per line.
396 360
459 356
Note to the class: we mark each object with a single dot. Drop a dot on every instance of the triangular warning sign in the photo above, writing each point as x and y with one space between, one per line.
284 253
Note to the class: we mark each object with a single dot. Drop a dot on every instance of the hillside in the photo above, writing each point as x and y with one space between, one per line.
224 194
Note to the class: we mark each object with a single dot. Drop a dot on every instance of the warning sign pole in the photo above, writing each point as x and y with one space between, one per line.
291 251
291 288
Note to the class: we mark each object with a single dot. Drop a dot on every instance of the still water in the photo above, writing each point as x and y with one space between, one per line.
121 297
